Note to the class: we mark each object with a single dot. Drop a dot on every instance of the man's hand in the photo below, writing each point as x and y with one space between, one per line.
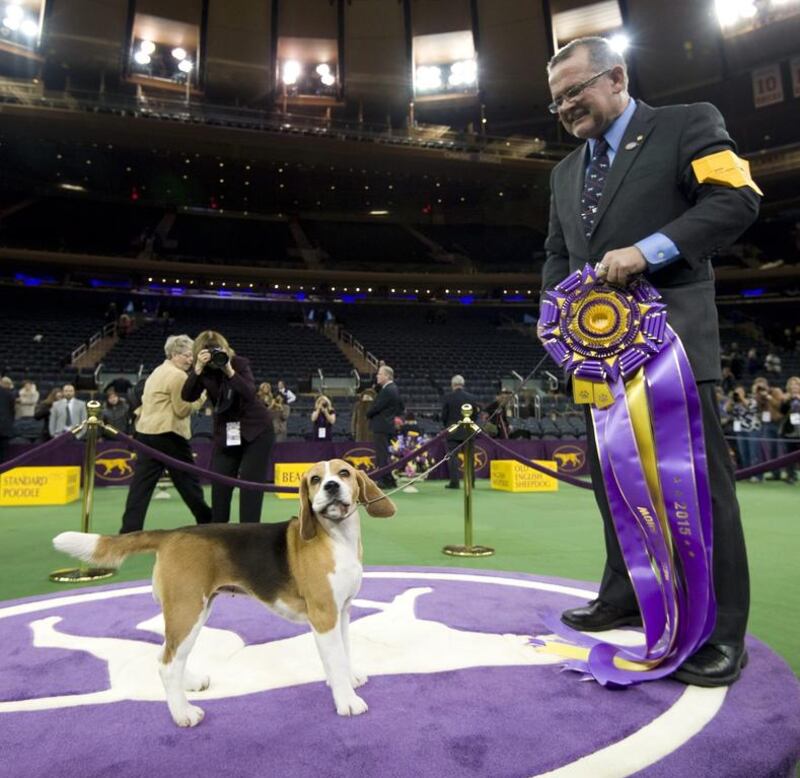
619 265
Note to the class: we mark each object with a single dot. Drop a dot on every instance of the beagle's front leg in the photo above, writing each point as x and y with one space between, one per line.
337 669
356 678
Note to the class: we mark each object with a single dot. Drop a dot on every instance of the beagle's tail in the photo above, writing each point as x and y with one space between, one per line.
107 550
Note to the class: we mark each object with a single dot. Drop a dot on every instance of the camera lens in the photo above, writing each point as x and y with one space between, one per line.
219 358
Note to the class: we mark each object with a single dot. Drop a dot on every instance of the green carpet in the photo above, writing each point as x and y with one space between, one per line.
549 534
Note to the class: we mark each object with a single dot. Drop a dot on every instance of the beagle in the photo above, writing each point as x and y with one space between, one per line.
307 569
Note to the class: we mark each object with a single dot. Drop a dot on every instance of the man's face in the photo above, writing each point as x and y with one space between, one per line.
591 113
69 391
382 377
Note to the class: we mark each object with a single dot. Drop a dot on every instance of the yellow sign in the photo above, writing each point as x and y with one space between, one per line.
40 485
289 474
508 475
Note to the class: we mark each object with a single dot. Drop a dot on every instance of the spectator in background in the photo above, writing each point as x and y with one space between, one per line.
381 414
116 413
500 412
163 423
280 418
6 420
728 380
243 431
359 423
772 363
7 383
265 394
288 395
42 412
745 423
124 325
66 412
736 362
27 399
768 405
753 362
451 413
323 417
790 425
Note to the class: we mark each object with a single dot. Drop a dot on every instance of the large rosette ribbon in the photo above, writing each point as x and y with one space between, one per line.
627 362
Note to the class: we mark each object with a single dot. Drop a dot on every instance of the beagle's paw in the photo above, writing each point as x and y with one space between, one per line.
351 706
190 716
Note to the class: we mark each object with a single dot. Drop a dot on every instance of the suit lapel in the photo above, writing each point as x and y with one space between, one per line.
634 138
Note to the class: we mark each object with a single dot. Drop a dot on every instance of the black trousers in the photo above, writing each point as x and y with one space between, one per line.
381 441
149 470
248 461
731 576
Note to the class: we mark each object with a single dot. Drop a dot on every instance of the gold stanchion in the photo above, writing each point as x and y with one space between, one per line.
81 574
467 549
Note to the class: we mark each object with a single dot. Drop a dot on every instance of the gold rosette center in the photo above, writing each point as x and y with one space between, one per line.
598 320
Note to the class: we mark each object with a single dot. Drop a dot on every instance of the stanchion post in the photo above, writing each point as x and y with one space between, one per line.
468 549
94 425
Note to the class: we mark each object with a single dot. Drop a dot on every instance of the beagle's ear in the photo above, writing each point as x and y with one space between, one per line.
308 524
375 501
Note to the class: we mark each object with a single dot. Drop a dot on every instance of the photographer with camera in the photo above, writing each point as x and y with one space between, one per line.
790 426
323 417
768 404
243 432
745 424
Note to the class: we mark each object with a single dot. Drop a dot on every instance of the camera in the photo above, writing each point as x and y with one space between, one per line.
219 357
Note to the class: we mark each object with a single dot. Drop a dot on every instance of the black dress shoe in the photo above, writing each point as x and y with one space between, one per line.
599 615
715 664
452 486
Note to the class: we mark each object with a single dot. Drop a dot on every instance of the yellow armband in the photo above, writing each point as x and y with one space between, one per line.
724 168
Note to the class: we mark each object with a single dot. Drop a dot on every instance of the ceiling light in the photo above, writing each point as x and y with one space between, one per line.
179 53
142 58
147 47
291 71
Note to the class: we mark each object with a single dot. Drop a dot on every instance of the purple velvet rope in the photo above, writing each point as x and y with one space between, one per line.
51 445
178 464
770 464
546 470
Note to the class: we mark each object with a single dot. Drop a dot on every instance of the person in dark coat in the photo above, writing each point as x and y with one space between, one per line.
634 197
451 413
243 429
6 421
381 414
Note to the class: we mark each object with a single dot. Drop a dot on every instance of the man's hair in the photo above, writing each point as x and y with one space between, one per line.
457 380
177 344
387 371
601 55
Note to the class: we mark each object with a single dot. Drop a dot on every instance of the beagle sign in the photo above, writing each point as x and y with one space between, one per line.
306 569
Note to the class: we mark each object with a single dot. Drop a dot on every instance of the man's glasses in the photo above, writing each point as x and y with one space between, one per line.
574 92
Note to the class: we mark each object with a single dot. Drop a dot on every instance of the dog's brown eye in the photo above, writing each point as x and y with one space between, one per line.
344 473
315 479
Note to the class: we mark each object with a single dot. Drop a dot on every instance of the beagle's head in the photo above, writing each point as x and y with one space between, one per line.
330 493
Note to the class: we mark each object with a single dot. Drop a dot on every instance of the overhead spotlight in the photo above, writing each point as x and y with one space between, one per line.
323 69
428 78
730 12
463 73
328 80
29 28
619 42
291 71
148 47
185 66
14 17
142 58
179 53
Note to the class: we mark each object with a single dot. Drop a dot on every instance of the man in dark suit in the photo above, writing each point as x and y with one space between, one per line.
631 198
451 413
6 421
381 414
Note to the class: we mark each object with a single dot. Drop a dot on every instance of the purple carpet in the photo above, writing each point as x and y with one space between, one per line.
455 689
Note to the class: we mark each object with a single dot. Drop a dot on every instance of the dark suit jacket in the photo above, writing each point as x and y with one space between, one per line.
384 408
651 187
451 410
6 412
234 399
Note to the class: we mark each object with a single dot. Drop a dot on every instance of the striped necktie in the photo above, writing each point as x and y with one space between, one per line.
593 185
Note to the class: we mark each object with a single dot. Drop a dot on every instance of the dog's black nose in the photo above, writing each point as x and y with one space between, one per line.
331 487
